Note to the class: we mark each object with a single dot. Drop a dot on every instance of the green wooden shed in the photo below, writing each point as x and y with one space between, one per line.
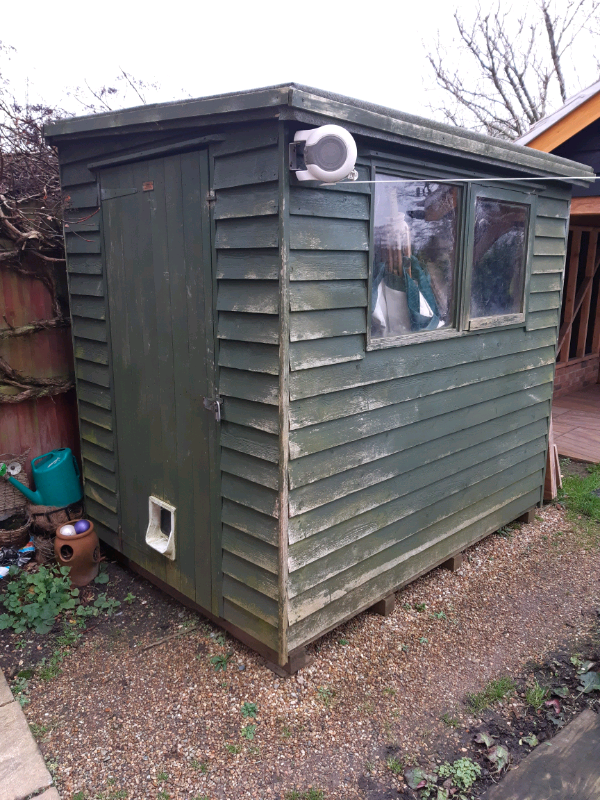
381 350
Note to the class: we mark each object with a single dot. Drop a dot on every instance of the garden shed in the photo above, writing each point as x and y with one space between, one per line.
295 398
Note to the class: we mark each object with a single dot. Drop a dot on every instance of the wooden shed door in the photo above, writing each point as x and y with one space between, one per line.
157 246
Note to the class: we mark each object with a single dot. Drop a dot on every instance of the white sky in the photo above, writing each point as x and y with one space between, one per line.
373 50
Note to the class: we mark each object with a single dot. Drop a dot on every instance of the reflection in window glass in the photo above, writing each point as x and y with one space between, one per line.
499 256
415 236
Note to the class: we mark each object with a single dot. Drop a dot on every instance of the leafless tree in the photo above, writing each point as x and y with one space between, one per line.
510 68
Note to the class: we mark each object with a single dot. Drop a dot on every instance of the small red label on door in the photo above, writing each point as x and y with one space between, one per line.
148 186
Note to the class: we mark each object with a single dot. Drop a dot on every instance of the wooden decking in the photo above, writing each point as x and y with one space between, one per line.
576 422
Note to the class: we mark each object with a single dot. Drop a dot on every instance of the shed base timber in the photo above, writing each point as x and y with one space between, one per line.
386 606
528 517
454 563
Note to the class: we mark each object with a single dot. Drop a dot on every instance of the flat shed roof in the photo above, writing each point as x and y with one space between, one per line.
304 103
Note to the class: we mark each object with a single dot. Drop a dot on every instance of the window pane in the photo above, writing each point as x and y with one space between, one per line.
415 237
498 258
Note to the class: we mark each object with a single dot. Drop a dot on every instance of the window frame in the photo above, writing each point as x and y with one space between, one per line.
454 330
522 197
462 324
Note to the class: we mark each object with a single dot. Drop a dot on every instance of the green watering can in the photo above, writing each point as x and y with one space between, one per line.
56 477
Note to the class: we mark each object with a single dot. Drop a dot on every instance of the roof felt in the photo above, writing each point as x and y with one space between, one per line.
369 117
551 119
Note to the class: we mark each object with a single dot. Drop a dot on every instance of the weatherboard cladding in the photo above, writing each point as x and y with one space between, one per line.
398 457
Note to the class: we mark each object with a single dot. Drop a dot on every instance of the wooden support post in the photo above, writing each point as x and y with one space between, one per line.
454 563
298 659
584 315
528 516
569 303
384 607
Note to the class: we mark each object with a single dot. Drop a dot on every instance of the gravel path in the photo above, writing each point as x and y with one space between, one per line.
162 723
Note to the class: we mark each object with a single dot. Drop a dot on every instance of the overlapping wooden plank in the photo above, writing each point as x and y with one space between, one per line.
325 324
546 226
249 574
100 475
427 483
543 319
100 456
101 495
328 265
316 203
551 207
336 404
359 426
384 365
97 435
252 386
315 295
250 494
84 264
252 550
320 465
256 603
251 356
93 373
89 329
316 233
549 246
87 285
92 307
248 232
249 167
542 301
89 350
528 422
253 415
98 416
96 511
91 393
247 265
250 623
252 469
374 581
88 242
249 521
254 297
82 196
548 282
251 441
248 327
319 352
247 201
542 264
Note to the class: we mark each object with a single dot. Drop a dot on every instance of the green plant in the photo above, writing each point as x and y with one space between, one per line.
248 732
19 690
493 692
463 773
389 690
79 796
234 749
309 794
395 765
420 606
130 598
452 722
35 599
199 765
326 695
578 494
343 642
249 710
163 795
162 776
220 662
536 694
102 576
38 731
423 640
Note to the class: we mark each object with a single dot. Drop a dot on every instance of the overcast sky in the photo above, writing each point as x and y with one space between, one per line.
373 50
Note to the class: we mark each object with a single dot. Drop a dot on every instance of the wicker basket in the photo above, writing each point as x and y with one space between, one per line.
46 519
11 499
16 538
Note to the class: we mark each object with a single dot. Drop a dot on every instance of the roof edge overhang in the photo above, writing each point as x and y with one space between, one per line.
301 101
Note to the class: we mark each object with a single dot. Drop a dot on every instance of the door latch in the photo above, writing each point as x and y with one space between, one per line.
214 405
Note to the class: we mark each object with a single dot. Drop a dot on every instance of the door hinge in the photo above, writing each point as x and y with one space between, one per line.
211 197
214 405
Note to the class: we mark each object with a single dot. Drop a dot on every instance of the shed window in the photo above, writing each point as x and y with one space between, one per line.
499 260
415 247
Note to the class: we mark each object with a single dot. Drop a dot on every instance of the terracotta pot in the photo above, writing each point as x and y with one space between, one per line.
80 552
